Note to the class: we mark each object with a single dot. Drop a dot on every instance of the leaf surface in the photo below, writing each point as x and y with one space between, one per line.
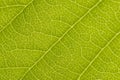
59 39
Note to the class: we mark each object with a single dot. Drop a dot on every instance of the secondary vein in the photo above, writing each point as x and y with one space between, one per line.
106 45
60 38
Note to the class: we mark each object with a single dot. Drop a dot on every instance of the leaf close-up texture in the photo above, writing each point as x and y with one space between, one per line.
59 39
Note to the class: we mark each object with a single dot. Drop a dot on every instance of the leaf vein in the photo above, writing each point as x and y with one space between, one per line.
107 44
55 43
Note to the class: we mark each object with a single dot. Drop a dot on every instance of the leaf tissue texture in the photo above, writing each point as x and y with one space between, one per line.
59 39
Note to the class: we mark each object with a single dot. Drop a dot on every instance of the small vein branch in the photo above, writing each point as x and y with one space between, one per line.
114 37
16 16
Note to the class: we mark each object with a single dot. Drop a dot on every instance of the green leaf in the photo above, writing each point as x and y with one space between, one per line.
59 39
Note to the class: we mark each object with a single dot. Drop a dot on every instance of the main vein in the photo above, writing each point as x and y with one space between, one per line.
61 38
